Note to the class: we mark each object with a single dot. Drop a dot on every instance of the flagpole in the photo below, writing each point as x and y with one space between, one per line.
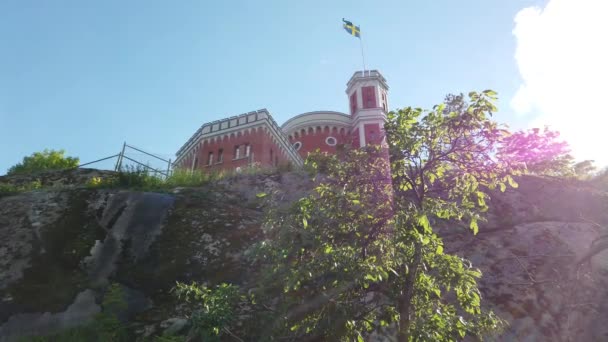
362 54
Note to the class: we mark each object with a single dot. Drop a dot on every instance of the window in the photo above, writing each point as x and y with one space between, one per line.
369 97
195 163
297 145
384 102
331 141
353 103
210 158
237 152
271 156
220 155
247 150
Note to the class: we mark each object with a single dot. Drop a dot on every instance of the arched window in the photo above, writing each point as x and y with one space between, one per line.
220 155
237 152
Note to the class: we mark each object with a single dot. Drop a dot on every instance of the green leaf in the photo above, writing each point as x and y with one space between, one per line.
480 198
304 222
474 226
503 186
370 277
328 249
439 249
512 182
423 221
261 195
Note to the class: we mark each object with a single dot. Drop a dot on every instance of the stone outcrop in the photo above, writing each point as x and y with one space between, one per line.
536 252
60 248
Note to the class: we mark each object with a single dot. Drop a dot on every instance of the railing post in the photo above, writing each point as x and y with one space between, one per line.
119 161
168 167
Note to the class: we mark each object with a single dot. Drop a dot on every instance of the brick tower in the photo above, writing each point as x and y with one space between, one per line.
367 94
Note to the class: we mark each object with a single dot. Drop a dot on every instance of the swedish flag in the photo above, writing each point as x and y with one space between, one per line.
351 29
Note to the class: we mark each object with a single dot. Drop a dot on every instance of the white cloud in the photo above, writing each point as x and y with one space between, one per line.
562 55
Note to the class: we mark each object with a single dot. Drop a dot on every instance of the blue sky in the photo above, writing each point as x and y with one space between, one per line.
85 76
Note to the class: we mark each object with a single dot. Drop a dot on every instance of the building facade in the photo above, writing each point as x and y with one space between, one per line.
254 138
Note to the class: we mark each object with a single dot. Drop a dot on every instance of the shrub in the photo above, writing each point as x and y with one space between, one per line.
44 161
218 308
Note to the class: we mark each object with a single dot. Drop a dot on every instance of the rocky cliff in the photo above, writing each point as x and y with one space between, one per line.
61 247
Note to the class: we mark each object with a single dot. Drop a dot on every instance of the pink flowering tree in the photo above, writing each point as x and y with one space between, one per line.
536 151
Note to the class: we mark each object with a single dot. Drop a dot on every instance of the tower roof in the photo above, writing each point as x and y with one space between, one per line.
365 76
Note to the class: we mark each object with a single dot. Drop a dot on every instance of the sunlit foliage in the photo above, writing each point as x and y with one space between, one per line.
360 254
217 309
44 161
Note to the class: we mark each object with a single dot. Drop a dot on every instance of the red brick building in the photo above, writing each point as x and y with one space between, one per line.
255 138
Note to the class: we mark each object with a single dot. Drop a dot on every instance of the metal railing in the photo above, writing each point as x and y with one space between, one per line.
121 157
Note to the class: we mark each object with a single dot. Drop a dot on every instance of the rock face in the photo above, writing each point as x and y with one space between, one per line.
537 255
60 248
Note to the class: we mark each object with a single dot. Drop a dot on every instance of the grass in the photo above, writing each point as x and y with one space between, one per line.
139 179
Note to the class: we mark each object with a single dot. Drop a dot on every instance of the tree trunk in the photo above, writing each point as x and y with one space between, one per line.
405 301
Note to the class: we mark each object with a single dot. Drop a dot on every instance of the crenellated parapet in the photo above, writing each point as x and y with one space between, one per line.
229 130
